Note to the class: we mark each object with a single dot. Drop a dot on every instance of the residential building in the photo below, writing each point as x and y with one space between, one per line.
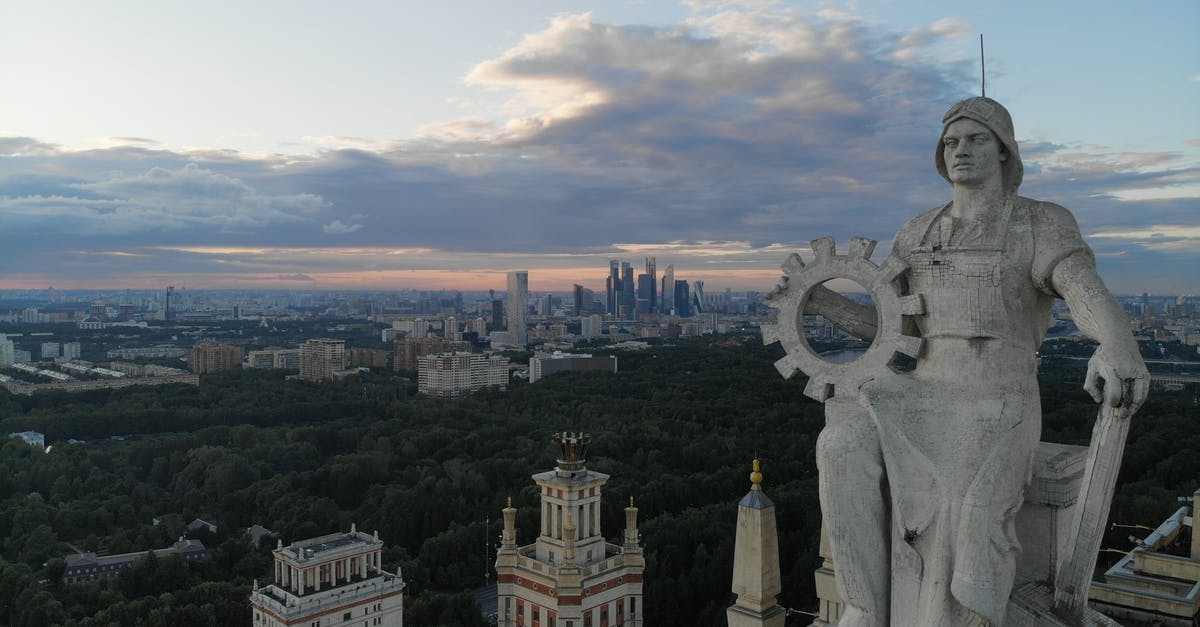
50 350
71 350
83 567
368 358
320 358
454 374
208 358
264 359
334 580
591 326
570 576
408 350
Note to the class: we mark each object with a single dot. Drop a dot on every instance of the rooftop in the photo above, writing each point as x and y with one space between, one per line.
323 547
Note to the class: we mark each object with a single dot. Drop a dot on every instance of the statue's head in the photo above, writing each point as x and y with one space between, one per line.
993 115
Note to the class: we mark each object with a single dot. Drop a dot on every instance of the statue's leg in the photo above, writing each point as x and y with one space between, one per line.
852 486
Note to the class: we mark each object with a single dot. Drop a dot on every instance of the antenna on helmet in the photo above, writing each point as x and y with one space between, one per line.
982 69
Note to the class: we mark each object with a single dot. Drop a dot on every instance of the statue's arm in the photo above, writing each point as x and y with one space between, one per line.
1117 361
857 319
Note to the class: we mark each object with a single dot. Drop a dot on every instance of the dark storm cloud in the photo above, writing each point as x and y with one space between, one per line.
734 127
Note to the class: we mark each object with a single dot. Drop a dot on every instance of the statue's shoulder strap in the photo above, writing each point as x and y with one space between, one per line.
910 235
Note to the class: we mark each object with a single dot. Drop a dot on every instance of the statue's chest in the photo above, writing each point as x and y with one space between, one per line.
975 290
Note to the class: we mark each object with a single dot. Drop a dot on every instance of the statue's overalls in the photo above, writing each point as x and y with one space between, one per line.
950 443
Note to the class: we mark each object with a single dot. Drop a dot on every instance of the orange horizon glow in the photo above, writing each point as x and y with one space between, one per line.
540 280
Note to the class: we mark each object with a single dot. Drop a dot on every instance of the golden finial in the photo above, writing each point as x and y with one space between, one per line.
631 501
510 502
756 476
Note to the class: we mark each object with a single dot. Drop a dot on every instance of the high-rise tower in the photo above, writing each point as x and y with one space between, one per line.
682 302
668 289
652 272
628 290
613 286
517 304
570 577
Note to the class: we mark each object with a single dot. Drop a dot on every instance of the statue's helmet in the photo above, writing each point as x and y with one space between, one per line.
993 115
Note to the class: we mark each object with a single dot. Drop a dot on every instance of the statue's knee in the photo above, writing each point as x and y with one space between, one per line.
837 442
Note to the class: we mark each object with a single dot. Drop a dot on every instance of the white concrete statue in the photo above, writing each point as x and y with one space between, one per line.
922 472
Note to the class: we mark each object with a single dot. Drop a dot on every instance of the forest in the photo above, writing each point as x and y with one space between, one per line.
676 428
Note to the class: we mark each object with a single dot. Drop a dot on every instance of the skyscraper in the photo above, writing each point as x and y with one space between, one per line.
652 272
613 286
668 289
698 297
578 306
497 315
628 287
645 294
517 304
682 304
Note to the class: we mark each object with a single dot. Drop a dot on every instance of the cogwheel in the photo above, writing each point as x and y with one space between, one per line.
796 287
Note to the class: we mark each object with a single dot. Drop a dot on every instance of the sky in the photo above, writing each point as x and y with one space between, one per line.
438 145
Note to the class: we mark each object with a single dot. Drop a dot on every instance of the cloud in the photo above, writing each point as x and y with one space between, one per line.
918 41
158 199
338 228
721 142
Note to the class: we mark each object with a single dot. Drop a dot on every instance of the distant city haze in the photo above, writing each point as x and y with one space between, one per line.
395 146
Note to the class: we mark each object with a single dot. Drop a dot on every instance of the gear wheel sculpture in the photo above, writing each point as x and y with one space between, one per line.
795 289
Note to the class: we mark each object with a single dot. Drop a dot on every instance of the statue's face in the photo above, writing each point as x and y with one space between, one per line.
973 154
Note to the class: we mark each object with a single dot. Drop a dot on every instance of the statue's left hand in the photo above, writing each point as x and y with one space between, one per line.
1126 381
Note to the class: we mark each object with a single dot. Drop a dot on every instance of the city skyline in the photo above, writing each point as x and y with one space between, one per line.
398 147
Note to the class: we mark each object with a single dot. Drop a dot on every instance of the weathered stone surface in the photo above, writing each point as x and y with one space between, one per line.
922 473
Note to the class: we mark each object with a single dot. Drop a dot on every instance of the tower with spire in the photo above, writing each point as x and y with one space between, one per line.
756 579
570 576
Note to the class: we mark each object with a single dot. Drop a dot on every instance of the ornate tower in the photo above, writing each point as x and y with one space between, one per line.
570 576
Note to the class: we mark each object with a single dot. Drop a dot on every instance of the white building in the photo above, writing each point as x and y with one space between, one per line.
6 351
570 577
71 350
331 581
50 350
32 438
591 326
453 374
516 304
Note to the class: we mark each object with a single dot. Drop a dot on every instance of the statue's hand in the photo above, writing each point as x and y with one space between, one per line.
1126 380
